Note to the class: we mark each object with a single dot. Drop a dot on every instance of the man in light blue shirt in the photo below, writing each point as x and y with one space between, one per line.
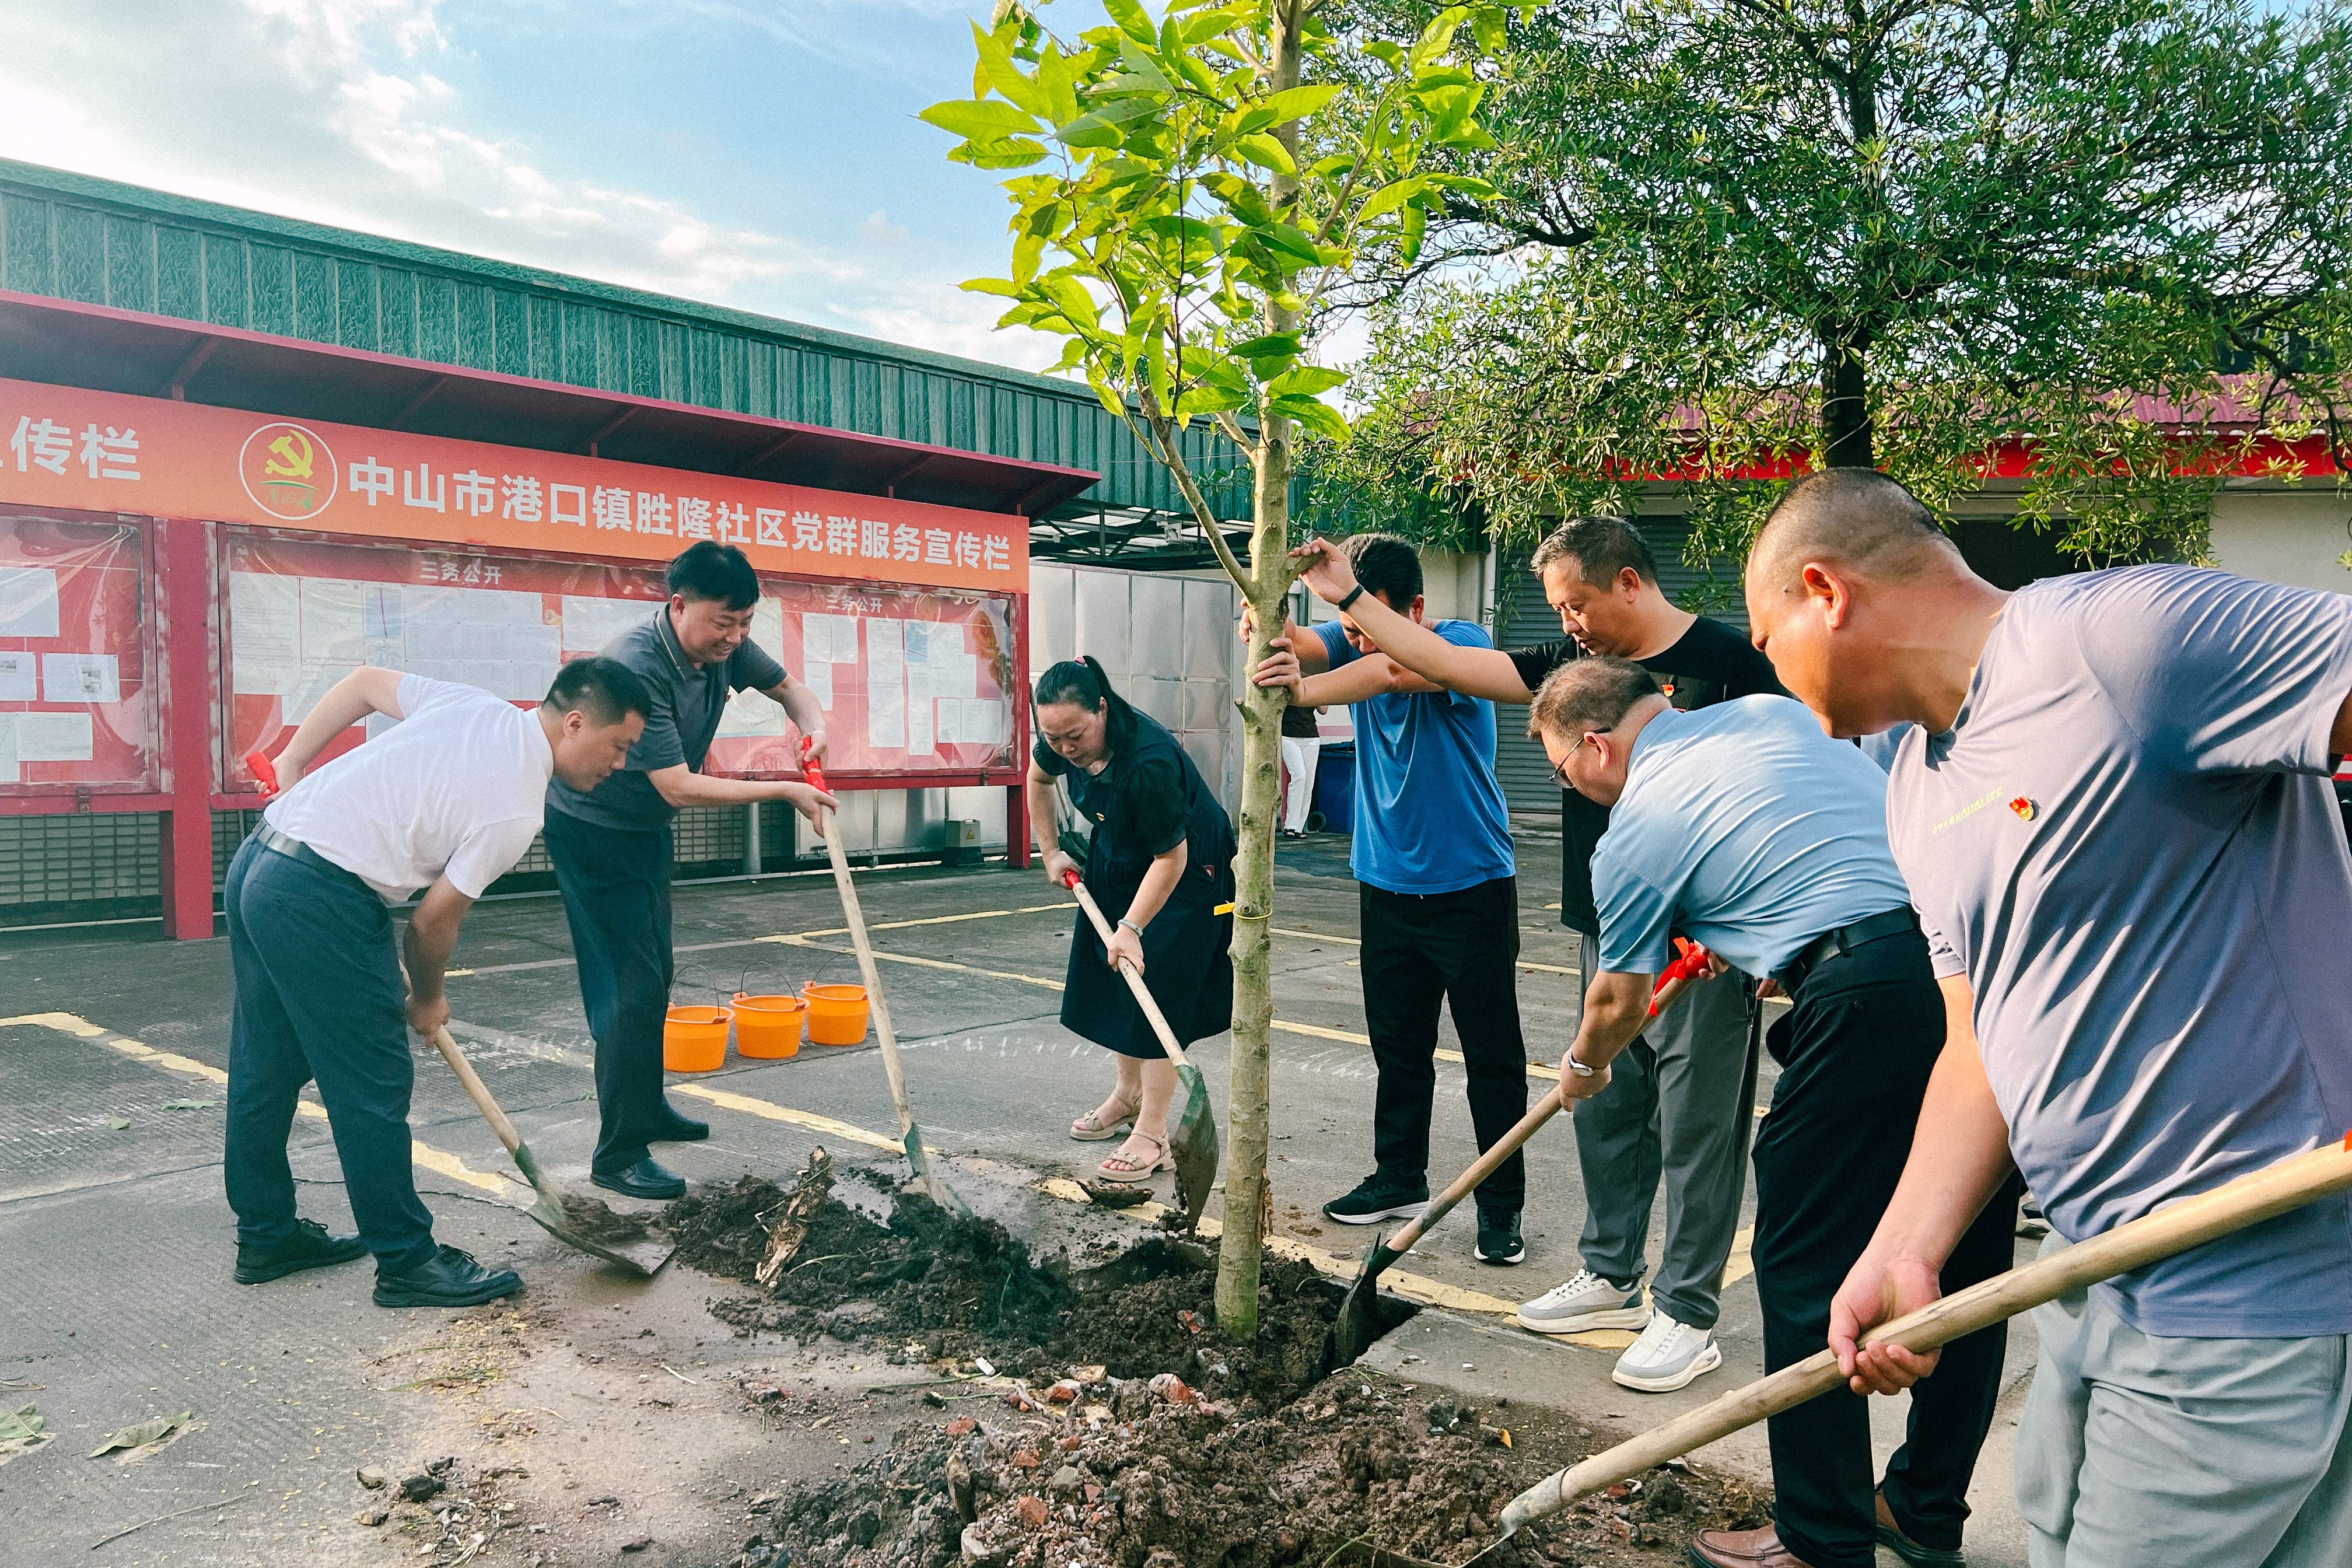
1744 828
1438 899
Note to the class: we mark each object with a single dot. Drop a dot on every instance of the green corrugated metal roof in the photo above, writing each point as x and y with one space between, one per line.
70 236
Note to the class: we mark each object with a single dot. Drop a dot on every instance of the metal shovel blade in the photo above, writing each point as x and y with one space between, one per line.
1358 1322
919 1161
1193 1143
596 1229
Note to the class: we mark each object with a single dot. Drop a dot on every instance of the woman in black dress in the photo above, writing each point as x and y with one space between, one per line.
1160 864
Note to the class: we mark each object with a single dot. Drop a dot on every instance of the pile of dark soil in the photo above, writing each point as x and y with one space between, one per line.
1358 1463
937 1288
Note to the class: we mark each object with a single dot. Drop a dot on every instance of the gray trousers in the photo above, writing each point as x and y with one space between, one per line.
2140 1452
1672 1108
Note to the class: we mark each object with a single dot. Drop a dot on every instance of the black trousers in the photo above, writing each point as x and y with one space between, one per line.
1855 1052
616 886
318 995
1461 949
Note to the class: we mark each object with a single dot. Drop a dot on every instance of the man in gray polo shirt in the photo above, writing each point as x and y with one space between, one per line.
2116 821
610 844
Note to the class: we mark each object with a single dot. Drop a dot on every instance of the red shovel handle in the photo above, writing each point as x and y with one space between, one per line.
1690 966
1070 879
810 769
264 771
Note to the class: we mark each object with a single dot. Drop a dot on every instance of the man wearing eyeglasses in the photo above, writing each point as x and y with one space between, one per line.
1747 829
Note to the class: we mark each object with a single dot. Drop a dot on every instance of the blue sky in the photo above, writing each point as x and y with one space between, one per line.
759 155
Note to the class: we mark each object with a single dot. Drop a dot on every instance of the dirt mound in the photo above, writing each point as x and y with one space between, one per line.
1357 1462
937 1287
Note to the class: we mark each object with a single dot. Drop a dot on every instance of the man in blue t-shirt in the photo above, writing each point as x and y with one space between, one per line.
1438 899
2114 818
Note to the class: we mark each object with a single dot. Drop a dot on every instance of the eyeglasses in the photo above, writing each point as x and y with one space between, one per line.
1559 768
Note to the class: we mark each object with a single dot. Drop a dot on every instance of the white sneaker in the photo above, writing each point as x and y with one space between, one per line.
1668 1356
1586 1301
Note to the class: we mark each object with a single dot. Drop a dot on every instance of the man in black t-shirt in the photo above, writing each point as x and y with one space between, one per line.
1671 1108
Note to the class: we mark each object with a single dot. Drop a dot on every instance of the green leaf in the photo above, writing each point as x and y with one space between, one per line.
996 68
984 120
1320 417
118 1122
1027 249
1071 297
1113 403
191 1104
1272 345
1129 19
1057 78
17 1425
1013 152
1105 127
1307 380
1416 227
1437 37
1002 286
1266 154
1390 197
1298 102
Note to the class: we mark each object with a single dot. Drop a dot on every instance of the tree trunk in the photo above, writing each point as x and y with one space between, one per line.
1250 1092
1848 440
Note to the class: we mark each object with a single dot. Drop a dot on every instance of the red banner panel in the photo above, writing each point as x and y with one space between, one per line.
76 678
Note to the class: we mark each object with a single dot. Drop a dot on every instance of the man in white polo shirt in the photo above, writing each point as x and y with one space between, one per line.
2115 819
447 800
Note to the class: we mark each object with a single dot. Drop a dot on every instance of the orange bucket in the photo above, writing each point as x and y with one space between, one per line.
768 1027
694 1039
836 1014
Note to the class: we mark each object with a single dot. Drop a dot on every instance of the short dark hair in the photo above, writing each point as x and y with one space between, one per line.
1385 565
605 688
1589 694
1600 546
711 570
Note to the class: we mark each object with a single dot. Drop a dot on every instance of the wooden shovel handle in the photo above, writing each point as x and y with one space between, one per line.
2251 1199
1134 980
477 1091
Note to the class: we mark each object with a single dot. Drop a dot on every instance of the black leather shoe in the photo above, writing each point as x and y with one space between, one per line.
309 1248
646 1179
451 1278
676 1129
1498 1239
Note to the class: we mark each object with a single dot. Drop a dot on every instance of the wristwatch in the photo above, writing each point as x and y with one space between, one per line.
1354 594
1577 1068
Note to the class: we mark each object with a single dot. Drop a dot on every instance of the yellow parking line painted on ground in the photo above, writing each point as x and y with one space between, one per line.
1740 1265
423 1154
768 1110
929 920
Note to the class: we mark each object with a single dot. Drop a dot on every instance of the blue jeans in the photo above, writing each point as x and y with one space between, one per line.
319 997
615 885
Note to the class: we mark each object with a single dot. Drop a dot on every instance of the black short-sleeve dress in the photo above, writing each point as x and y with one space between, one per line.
1148 799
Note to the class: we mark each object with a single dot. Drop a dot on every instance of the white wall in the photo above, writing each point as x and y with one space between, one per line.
2285 536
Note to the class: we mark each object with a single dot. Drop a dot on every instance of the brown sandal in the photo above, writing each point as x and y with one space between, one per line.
1091 1129
1121 1167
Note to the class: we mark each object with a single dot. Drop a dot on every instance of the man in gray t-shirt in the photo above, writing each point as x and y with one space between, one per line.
2116 822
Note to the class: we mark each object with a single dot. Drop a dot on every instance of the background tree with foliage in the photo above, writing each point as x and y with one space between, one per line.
1176 231
1890 233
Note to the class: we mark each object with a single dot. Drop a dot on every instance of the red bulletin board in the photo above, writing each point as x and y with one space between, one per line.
77 677
300 613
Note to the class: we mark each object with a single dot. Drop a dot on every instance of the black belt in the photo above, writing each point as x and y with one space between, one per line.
1837 943
295 850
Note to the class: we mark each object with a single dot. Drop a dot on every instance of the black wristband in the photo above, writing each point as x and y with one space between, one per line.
1354 594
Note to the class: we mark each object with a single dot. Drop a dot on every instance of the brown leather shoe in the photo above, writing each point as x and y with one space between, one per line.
1742 1548
1891 1536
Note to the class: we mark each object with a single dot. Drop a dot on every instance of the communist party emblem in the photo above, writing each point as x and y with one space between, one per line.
287 471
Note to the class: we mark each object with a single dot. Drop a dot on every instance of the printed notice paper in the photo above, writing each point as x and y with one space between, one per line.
19 677
885 685
53 737
29 602
590 624
265 622
79 678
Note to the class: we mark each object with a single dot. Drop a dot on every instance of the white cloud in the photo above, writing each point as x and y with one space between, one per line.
342 111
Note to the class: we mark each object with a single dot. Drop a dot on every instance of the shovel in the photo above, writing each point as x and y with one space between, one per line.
1193 1138
1358 1324
910 1135
2290 1183
571 1218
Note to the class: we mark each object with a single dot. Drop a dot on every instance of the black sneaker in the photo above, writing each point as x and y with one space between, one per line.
450 1277
1498 1239
1380 1196
309 1248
